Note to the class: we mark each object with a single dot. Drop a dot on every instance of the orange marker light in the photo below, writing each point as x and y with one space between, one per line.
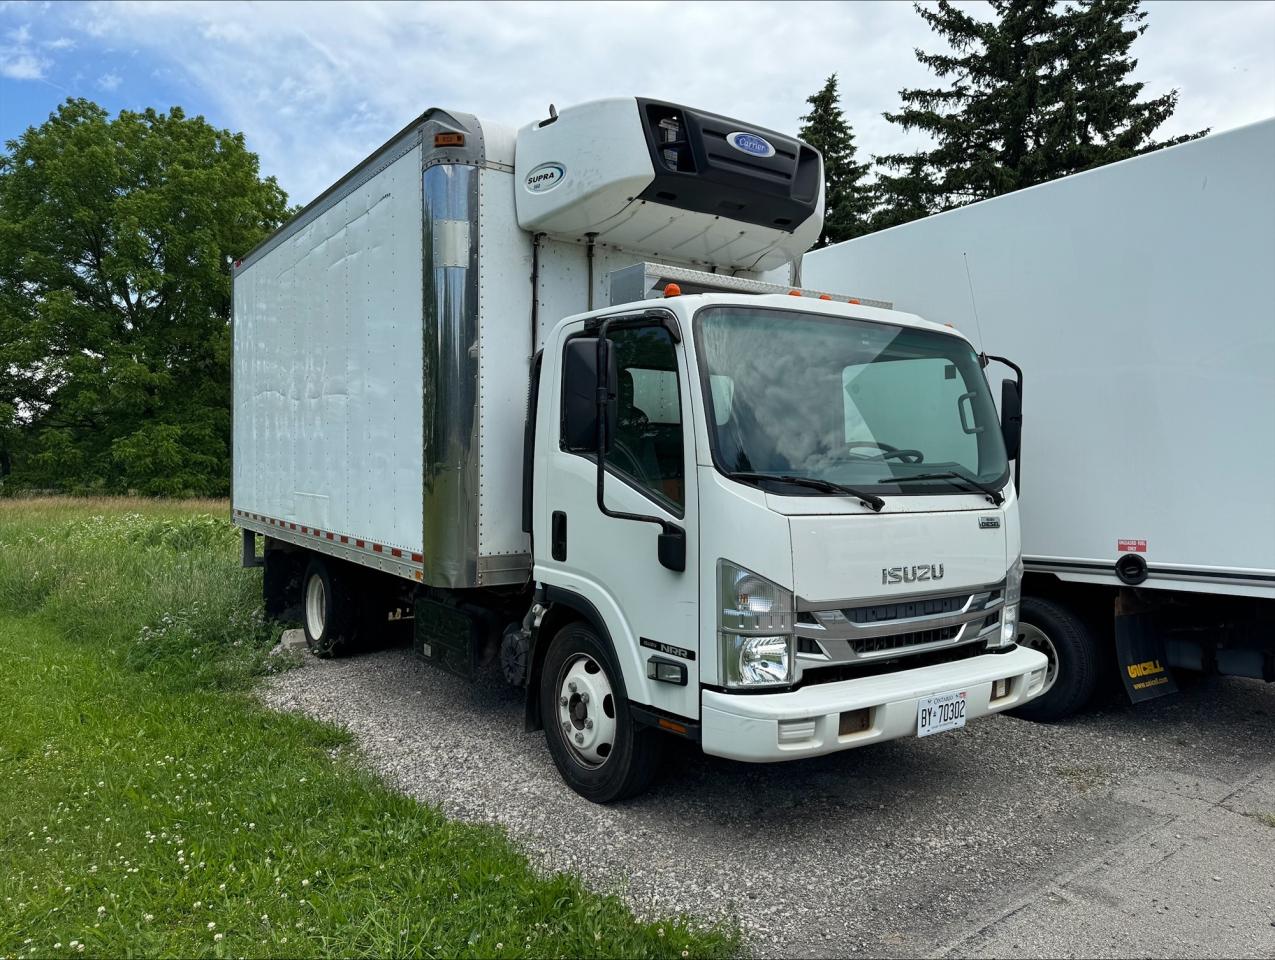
852 300
824 296
672 290
794 293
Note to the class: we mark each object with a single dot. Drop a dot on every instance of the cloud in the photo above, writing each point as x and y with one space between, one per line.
21 65
109 81
58 43
316 87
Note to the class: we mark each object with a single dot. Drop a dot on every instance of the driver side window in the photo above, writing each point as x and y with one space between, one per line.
648 443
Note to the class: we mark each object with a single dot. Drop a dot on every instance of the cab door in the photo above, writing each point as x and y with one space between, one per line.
613 563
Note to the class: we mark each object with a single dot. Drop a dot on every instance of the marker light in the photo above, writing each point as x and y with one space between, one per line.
824 296
853 300
672 290
794 293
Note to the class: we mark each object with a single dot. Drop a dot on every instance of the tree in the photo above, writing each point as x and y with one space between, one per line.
1038 92
847 200
115 297
903 198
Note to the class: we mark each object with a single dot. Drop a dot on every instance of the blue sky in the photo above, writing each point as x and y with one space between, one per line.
316 86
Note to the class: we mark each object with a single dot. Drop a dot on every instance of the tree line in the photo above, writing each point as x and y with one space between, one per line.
116 234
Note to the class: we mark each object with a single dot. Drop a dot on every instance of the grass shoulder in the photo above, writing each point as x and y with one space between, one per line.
154 807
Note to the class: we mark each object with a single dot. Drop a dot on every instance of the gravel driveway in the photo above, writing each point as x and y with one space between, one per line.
915 847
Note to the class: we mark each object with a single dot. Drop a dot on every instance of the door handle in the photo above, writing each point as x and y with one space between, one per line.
558 536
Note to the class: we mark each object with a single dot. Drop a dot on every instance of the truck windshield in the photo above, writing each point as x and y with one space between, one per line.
881 408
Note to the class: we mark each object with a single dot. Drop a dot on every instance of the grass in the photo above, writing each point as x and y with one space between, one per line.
149 805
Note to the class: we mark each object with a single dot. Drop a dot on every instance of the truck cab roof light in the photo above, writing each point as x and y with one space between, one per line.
824 296
853 300
672 290
794 293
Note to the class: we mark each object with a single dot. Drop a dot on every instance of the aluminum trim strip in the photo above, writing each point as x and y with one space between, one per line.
399 561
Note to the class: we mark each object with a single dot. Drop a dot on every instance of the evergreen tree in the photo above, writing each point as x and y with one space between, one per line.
903 198
1037 92
847 200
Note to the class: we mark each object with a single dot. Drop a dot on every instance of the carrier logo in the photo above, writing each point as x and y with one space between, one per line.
545 177
750 143
913 574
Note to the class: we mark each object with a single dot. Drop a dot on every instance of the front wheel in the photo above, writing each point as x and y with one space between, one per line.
1071 648
598 749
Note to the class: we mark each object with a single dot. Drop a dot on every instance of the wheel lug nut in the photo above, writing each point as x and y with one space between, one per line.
584 698
579 738
588 724
566 728
563 701
572 686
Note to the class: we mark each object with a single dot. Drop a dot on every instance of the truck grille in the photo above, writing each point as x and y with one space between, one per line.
856 635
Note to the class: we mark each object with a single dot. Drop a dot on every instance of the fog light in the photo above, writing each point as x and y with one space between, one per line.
795 731
1000 689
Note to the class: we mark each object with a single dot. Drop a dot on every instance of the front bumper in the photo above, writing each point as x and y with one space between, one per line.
747 726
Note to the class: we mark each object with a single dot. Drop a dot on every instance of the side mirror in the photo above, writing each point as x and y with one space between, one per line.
580 395
1011 418
672 548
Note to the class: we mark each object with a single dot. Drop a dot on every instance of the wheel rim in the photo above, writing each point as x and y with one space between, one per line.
586 710
315 603
1035 638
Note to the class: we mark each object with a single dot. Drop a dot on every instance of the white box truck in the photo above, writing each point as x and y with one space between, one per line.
527 388
1137 299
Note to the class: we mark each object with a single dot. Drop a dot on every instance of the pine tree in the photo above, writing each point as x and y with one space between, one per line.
847 200
903 198
1037 92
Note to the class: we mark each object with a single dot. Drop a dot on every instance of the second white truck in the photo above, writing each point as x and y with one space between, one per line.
1137 298
527 387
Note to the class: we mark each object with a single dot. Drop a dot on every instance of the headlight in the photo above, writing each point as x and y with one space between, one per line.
755 628
1009 613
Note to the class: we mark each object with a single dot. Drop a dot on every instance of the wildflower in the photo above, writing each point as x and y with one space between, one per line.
305 883
212 924
101 910
149 917
686 953
198 904
219 937
79 948
221 887
500 946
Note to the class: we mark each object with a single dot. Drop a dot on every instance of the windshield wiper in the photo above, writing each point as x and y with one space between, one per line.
992 493
827 486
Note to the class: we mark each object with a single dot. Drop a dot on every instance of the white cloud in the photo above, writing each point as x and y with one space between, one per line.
58 43
21 65
109 81
316 86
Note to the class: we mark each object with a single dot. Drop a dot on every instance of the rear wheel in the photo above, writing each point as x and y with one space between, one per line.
600 752
329 608
1070 646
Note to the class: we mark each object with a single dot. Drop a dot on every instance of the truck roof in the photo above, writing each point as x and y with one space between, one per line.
686 305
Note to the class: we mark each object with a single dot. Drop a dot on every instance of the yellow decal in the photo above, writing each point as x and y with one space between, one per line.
1143 669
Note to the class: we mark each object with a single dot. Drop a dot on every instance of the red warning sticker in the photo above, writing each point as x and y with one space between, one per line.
1131 546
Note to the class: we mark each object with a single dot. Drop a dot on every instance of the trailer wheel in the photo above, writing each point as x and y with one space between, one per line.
329 610
1071 646
598 749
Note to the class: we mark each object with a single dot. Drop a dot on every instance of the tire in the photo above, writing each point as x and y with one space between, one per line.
1072 647
606 756
329 611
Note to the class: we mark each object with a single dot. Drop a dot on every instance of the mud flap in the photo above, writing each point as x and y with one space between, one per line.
1140 650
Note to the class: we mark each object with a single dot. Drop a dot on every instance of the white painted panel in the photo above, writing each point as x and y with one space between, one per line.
328 367
1137 298
504 352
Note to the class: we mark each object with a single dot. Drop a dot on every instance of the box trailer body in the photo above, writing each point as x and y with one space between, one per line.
409 358
1137 299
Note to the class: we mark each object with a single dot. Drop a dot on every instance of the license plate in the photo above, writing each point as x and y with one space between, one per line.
943 711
